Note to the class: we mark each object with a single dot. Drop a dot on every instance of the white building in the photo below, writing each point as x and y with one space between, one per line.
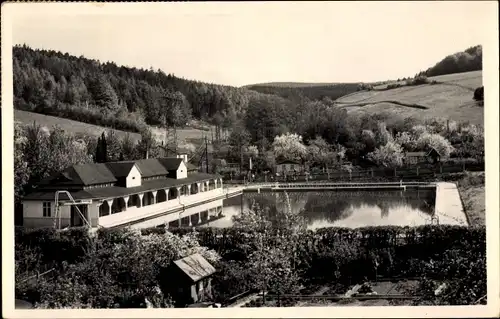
121 193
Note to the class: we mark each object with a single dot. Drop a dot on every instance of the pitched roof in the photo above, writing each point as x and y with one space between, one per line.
287 162
171 163
195 266
83 174
431 150
415 154
118 191
120 169
91 174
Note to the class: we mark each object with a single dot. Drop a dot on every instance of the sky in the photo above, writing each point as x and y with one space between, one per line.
244 43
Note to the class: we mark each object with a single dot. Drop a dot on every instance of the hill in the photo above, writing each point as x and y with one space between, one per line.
460 62
188 138
82 89
313 91
450 97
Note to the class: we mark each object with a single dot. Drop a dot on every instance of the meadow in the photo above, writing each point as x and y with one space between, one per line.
191 136
449 98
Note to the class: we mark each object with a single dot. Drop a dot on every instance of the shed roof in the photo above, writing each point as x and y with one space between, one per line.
195 267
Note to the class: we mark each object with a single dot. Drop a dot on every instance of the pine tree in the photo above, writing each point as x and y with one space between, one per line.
98 151
104 148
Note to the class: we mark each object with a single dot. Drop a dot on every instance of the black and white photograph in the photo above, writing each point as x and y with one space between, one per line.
288 159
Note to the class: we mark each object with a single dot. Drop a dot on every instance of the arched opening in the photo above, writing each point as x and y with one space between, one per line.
104 209
134 200
161 196
147 199
194 188
211 185
184 190
172 193
118 205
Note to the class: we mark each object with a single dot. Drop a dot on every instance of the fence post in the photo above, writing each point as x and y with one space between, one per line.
395 172
372 171
417 170
350 175
440 168
463 167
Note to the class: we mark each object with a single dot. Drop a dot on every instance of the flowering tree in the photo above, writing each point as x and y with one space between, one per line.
388 155
382 136
289 146
436 141
21 172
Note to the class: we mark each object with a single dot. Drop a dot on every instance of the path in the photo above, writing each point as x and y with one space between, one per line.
448 207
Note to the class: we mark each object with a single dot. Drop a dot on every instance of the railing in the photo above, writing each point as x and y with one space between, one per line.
279 185
396 174
134 213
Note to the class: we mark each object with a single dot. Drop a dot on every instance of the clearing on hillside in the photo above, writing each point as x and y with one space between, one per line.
187 138
450 98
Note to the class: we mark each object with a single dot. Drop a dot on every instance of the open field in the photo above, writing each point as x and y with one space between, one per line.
187 137
451 98
48 122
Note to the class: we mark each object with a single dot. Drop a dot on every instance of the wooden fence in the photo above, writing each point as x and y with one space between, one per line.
392 174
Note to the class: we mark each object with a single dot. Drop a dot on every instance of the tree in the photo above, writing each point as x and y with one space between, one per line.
320 152
289 146
101 152
436 141
103 94
127 148
21 168
479 94
388 155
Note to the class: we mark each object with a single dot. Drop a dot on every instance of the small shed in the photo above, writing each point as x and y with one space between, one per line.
188 280
412 158
289 167
431 156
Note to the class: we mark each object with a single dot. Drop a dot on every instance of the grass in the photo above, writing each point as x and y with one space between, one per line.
188 138
451 98
48 122
472 192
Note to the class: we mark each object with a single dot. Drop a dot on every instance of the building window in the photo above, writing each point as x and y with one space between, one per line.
47 209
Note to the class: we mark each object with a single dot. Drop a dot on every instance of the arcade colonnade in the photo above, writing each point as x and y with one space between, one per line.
120 204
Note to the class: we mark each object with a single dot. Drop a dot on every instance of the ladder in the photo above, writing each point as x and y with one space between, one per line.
57 217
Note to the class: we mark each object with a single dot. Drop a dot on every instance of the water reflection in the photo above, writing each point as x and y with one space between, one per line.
341 208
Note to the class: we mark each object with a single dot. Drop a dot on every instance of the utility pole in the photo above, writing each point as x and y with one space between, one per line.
206 153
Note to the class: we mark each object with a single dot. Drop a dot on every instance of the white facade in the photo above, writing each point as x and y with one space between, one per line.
181 171
134 178
43 213
150 207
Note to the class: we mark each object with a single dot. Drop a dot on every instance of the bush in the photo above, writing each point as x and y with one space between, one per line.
479 94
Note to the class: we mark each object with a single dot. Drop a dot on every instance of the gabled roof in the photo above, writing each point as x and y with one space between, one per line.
83 174
118 191
171 163
195 267
432 150
287 162
415 154
120 169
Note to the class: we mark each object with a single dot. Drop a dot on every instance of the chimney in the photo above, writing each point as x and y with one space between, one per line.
184 157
